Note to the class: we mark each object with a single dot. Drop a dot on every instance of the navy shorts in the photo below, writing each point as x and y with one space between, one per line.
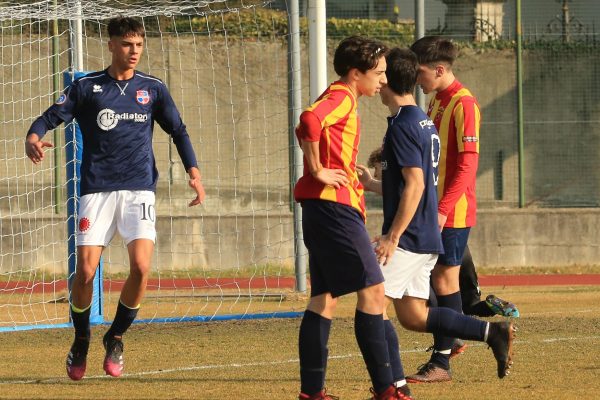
454 241
341 258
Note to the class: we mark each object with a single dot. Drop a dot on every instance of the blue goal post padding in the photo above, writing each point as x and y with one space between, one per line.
73 153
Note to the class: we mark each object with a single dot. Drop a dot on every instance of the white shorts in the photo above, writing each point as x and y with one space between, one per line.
131 212
407 274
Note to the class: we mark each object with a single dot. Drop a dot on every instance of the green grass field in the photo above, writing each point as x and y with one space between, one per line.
556 356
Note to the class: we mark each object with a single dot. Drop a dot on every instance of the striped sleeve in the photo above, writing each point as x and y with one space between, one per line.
467 121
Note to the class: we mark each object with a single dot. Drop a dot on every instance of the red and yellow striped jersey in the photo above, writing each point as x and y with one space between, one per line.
338 147
456 115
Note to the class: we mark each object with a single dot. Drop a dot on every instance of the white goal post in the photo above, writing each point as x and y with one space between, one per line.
226 66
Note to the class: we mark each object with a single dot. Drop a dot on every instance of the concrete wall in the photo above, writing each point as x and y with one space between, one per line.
502 238
532 237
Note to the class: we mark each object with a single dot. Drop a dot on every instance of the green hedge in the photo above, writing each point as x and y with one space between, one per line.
266 24
261 23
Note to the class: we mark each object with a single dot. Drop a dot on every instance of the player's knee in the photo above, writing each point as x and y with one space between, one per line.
412 322
84 276
140 270
371 299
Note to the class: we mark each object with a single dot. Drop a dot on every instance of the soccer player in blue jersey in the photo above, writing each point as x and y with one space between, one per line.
116 109
411 241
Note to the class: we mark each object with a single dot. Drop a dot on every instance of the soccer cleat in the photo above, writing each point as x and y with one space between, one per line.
458 347
113 361
430 373
391 393
404 393
76 359
322 395
501 307
500 340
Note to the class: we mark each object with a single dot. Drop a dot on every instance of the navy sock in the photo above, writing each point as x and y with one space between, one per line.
480 309
123 320
312 346
442 320
394 351
443 344
81 322
370 335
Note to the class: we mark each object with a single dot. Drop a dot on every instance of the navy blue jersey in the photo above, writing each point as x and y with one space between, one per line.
411 140
116 120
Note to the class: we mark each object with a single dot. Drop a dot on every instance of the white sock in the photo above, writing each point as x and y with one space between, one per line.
400 383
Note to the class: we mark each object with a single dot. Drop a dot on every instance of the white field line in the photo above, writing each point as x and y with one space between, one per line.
263 363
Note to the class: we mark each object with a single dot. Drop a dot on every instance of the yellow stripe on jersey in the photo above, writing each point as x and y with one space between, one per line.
347 157
329 193
338 113
327 135
460 212
443 132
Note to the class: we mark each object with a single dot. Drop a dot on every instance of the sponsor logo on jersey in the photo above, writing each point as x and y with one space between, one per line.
84 224
61 99
470 139
107 119
425 123
97 89
142 97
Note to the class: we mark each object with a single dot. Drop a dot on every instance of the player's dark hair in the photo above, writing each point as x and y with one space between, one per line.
124 27
374 157
357 52
402 70
435 49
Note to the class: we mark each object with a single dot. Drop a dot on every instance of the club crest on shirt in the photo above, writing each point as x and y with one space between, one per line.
61 99
142 97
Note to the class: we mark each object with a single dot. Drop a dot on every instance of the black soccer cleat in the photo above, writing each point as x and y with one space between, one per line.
113 361
500 339
76 359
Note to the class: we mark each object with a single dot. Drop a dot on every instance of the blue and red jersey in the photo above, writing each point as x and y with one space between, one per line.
116 118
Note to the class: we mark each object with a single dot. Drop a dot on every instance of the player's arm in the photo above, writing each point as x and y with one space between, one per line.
407 206
467 121
61 111
309 135
169 119
369 183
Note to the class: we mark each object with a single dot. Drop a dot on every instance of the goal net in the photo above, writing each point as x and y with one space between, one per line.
225 64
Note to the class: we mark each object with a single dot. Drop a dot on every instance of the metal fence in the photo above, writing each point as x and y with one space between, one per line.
558 164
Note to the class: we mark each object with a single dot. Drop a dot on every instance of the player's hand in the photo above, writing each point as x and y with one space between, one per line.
364 176
385 247
195 183
34 148
332 177
442 221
